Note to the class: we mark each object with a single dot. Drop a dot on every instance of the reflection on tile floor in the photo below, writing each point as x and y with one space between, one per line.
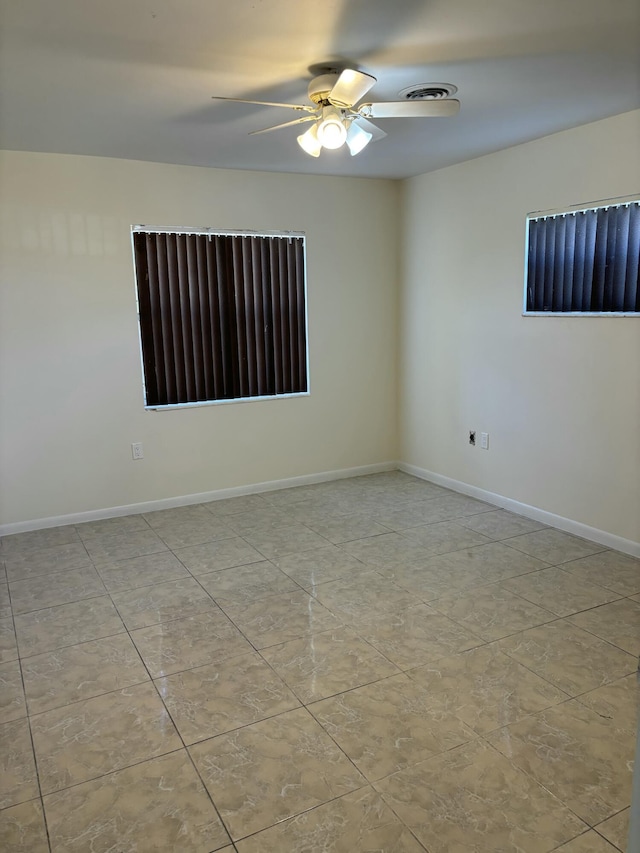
371 664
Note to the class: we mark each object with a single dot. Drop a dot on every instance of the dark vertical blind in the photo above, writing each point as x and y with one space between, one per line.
221 316
586 261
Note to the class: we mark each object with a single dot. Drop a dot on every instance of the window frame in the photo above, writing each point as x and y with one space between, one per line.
211 232
577 208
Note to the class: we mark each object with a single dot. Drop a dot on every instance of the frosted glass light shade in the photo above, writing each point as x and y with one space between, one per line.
357 139
309 141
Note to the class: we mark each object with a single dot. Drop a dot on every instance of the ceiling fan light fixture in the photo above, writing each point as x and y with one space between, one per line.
357 139
309 141
332 132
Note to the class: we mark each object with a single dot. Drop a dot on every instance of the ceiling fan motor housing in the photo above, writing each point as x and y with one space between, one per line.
320 87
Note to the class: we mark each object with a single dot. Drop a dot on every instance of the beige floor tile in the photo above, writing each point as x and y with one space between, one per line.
162 602
616 829
22 829
443 537
265 518
320 511
618 701
356 822
415 636
159 805
223 696
66 625
309 569
79 672
287 618
182 534
37 540
412 515
8 642
434 577
59 588
485 689
589 842
5 601
464 504
501 524
117 526
495 561
177 515
389 725
582 758
492 612
232 506
272 770
618 623
214 556
18 781
610 569
348 528
471 798
93 737
324 664
47 561
109 547
142 571
419 490
558 591
280 541
388 549
445 507
367 594
244 584
554 546
186 643
572 659
12 703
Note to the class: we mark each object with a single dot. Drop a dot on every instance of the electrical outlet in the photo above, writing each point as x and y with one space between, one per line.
136 450
484 440
472 437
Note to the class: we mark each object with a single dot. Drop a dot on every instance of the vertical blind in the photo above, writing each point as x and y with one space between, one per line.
221 316
585 261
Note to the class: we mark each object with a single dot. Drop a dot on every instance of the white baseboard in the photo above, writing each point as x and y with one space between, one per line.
609 540
602 537
187 500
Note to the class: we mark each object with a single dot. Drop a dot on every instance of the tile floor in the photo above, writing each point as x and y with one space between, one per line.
373 664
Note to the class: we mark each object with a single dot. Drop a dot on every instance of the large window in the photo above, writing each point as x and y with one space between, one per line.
222 315
584 261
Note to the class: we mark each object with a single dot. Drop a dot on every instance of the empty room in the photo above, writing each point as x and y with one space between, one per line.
319 419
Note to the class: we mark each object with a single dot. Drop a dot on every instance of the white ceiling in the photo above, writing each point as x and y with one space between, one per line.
134 78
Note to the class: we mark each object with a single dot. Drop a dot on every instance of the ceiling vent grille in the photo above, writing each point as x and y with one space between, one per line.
428 91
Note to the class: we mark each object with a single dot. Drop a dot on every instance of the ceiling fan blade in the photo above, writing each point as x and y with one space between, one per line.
371 128
306 108
286 124
350 86
411 109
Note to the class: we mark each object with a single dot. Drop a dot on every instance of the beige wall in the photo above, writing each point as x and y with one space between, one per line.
560 397
70 376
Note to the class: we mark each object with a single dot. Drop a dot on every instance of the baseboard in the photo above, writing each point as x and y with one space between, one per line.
594 534
187 500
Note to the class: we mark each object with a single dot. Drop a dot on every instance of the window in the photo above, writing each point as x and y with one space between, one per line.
222 315
584 261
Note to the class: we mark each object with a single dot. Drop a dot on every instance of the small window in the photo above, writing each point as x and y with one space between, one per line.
222 315
584 261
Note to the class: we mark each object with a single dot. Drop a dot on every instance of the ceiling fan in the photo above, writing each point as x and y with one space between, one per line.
336 118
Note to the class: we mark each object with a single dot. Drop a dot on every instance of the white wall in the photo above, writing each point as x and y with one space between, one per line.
70 375
560 397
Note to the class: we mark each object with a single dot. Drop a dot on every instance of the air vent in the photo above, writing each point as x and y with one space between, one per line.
428 91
